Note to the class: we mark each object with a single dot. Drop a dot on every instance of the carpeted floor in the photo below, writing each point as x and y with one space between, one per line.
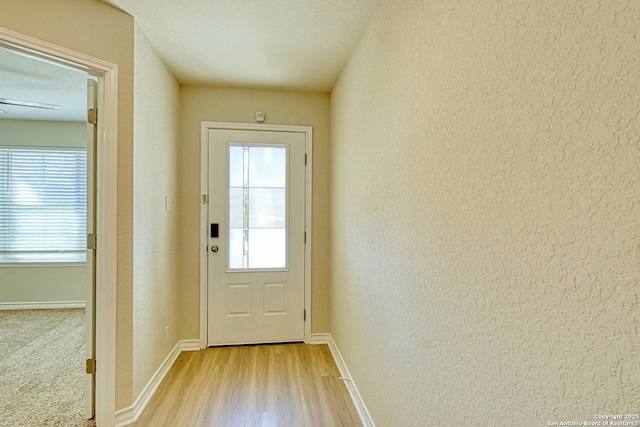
42 368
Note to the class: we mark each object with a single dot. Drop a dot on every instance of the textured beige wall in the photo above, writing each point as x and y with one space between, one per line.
238 105
97 29
485 186
42 284
155 238
39 283
36 133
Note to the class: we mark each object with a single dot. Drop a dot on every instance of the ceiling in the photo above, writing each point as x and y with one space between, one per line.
25 78
276 44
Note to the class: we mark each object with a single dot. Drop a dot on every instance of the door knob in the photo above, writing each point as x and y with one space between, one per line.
214 248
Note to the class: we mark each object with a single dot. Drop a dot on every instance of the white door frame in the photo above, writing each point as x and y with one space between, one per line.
106 204
204 204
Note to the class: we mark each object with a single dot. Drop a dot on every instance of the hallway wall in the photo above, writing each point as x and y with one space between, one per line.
156 289
485 185
200 103
99 30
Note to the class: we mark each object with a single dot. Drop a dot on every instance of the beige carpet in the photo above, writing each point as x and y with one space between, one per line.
42 368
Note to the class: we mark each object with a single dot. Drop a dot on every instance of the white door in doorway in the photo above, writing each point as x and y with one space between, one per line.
256 237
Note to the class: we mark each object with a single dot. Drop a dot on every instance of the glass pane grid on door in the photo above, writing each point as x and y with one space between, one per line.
257 201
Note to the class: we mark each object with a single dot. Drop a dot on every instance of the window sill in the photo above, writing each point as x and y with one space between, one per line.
41 264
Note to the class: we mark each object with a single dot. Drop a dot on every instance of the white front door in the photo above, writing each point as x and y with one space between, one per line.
256 237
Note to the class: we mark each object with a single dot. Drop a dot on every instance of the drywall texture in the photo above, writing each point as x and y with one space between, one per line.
40 283
35 133
280 44
239 105
99 30
155 235
485 187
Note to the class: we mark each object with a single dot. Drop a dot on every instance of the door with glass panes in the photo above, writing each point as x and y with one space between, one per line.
256 237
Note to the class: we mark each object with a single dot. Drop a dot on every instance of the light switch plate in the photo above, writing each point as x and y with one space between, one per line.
168 203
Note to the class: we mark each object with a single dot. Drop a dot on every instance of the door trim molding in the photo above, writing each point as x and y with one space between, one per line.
204 190
106 205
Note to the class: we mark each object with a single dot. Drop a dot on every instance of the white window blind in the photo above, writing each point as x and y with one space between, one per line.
43 205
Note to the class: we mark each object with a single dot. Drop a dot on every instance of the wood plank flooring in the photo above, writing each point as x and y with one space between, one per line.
281 385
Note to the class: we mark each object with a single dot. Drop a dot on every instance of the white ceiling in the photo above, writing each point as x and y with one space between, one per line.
276 44
27 79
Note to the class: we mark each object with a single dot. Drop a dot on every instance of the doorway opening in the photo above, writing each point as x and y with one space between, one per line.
61 221
255 258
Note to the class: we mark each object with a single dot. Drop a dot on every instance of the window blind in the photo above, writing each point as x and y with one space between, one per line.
43 204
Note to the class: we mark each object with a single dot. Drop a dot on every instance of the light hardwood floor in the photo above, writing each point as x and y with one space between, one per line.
281 385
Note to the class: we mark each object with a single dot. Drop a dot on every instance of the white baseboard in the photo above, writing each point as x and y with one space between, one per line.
190 345
37 305
363 412
319 339
130 415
